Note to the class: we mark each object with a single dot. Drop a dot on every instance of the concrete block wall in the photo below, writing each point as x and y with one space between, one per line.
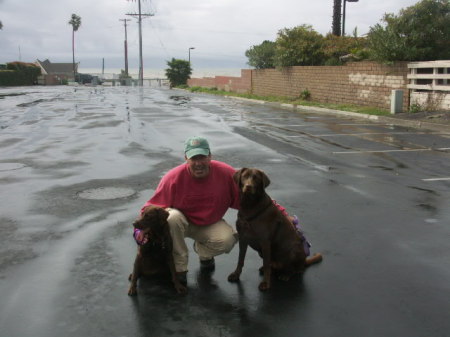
242 84
431 101
360 83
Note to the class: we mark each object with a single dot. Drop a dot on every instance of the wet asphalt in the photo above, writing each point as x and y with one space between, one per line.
76 165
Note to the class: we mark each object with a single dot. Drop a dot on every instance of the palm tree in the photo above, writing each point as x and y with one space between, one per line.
336 27
75 21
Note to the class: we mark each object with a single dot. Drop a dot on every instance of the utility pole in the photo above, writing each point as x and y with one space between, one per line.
125 44
141 65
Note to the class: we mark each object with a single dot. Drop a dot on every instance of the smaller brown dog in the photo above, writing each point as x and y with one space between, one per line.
262 226
154 258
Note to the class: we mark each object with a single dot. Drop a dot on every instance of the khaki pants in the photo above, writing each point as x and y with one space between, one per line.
210 240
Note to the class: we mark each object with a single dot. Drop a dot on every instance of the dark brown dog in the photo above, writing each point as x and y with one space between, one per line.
154 258
262 226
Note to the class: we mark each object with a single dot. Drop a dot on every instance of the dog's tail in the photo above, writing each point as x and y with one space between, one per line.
316 258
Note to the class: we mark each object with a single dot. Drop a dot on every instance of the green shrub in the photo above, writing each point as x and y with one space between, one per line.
299 46
262 56
415 108
179 72
19 73
418 33
305 95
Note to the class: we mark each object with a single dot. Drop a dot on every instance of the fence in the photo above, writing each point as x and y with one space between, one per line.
429 83
359 83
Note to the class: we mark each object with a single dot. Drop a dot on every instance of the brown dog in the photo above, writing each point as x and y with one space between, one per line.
262 226
155 256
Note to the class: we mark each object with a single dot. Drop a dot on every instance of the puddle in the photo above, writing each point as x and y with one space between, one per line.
11 95
428 207
424 190
180 100
106 193
381 167
11 166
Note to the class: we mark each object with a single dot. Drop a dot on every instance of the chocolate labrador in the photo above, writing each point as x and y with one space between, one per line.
154 257
262 226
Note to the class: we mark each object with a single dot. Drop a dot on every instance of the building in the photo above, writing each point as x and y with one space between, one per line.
55 73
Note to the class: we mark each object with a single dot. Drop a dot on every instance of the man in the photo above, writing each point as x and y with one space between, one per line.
197 195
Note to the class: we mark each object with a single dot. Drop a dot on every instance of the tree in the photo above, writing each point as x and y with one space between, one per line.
179 72
1 25
336 25
418 33
334 47
262 56
75 22
299 46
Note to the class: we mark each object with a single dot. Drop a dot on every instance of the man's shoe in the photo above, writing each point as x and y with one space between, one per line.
207 265
182 277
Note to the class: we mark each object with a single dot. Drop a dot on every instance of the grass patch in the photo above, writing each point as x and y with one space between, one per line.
295 101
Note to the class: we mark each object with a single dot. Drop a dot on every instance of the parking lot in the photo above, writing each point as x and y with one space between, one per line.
77 164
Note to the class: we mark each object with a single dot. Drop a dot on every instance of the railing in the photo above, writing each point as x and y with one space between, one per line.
429 84
432 75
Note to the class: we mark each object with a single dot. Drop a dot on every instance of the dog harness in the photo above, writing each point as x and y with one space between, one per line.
295 222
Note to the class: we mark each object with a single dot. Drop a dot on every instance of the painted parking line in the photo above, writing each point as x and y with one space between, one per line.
436 179
371 133
274 118
289 125
362 124
388 151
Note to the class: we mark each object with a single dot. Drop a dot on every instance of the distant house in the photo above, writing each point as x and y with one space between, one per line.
55 73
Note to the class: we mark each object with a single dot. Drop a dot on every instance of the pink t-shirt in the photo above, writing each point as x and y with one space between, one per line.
203 201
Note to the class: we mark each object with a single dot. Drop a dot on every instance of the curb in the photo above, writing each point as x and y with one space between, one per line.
375 118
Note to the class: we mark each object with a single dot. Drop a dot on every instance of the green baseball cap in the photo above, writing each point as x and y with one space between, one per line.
195 146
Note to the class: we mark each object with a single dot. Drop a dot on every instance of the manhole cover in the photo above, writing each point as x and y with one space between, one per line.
106 193
11 166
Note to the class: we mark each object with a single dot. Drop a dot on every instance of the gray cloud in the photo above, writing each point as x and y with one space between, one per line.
220 31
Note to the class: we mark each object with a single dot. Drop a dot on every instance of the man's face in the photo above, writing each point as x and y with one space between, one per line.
199 165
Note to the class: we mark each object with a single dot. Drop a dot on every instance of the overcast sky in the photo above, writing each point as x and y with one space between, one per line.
220 30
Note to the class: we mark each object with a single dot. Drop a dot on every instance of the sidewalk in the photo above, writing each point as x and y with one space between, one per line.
439 121
429 121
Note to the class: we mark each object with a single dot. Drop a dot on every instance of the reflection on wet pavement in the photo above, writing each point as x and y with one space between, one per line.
77 164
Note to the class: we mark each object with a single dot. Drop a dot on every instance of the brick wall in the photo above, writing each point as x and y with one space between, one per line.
240 85
360 83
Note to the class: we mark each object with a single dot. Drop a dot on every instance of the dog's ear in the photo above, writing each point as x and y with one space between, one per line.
237 176
265 179
163 215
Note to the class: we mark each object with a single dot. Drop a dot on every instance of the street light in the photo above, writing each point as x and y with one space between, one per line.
343 16
190 54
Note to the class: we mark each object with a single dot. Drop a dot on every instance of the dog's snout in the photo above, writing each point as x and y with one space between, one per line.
247 186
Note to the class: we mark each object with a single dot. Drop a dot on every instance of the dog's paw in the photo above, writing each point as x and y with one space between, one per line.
233 277
132 291
263 286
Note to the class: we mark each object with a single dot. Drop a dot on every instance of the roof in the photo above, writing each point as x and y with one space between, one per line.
57 68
